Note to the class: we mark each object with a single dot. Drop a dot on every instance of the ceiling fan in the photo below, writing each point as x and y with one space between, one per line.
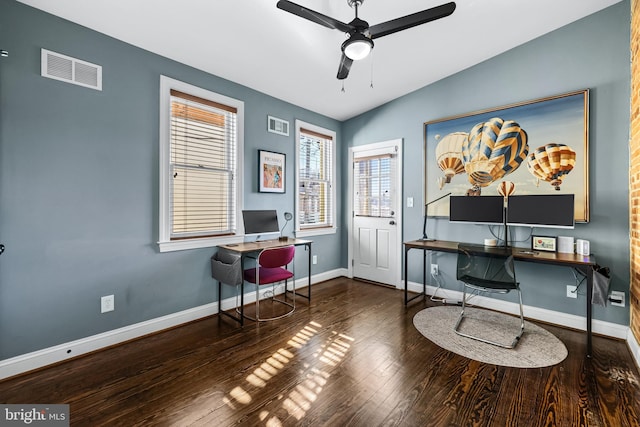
361 35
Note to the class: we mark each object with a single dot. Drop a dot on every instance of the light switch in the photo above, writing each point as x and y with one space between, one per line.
409 202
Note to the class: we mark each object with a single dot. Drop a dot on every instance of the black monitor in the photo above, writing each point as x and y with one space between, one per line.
542 210
476 209
260 221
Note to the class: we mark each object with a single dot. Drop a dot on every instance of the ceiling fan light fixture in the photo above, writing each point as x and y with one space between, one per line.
360 35
357 46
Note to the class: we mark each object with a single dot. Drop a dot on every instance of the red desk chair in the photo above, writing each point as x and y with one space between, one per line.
271 269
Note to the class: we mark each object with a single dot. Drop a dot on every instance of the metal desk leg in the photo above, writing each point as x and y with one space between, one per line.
589 273
309 264
242 258
587 270
424 276
308 296
424 273
240 317
406 256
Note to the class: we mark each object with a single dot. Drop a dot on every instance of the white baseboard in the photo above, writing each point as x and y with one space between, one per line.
609 329
59 353
38 359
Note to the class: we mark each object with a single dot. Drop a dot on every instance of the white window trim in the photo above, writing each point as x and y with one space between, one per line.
164 242
320 230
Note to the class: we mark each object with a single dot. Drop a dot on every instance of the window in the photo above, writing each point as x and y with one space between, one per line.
315 179
373 186
200 172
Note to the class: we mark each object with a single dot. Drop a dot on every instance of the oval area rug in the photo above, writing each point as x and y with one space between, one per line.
537 347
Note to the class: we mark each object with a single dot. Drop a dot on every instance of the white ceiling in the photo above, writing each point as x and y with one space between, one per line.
253 43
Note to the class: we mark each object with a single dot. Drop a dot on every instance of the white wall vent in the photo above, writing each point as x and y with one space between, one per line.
71 70
278 126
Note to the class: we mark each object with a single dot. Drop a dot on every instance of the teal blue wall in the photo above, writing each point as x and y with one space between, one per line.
79 186
591 53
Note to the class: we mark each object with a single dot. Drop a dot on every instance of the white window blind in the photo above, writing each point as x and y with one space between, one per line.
315 175
203 165
372 176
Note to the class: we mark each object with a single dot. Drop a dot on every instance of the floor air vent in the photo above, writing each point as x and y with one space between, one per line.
71 70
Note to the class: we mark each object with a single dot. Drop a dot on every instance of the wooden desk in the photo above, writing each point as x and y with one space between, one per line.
584 264
252 248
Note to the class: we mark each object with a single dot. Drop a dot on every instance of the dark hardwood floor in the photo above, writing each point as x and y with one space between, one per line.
351 357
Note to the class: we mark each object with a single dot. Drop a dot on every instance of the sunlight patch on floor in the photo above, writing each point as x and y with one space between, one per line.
300 399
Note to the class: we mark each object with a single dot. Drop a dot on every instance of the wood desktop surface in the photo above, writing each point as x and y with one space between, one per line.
263 244
522 254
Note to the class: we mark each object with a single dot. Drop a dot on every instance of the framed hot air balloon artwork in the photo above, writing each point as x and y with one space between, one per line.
539 147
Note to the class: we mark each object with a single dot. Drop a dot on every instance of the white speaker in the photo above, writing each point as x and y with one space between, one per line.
565 244
583 247
491 242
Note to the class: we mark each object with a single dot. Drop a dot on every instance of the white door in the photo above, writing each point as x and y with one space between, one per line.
376 197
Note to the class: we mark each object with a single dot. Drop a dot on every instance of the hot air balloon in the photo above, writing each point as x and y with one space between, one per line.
551 163
449 154
506 188
494 148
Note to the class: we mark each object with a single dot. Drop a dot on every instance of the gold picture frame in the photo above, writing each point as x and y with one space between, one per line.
558 122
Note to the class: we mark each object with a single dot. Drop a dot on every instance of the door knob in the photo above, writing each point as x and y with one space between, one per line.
392 222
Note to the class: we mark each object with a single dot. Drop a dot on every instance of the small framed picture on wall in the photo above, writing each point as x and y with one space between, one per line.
543 243
271 171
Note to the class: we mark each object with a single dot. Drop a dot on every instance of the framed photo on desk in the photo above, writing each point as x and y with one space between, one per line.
543 243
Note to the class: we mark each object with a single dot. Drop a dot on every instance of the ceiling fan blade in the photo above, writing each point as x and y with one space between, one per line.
345 66
313 16
418 18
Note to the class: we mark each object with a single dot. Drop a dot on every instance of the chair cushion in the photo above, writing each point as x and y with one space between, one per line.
267 275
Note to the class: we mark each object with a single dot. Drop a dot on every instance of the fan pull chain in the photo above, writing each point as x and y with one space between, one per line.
371 86
342 86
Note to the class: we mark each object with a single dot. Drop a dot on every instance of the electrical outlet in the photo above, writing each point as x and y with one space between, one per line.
618 296
315 259
572 291
434 269
107 304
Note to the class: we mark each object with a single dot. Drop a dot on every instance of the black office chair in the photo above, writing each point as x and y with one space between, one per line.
487 270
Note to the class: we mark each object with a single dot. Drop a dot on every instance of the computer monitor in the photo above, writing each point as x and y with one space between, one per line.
260 221
476 209
542 210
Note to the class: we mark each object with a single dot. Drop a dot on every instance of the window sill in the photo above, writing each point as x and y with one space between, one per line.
181 245
315 232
